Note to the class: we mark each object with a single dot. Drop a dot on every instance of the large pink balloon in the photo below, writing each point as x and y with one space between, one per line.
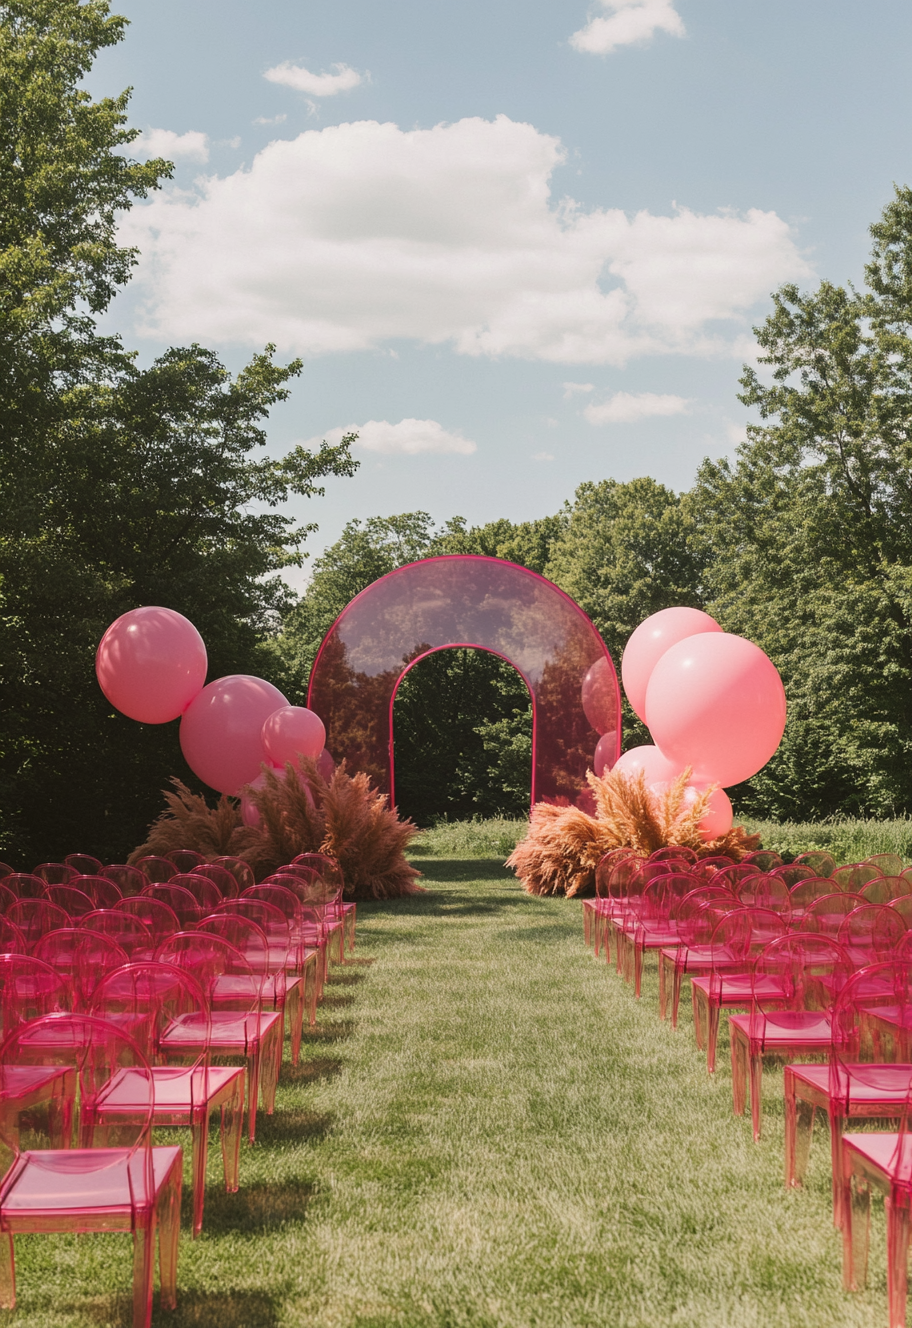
326 766
599 696
150 664
605 752
655 764
648 644
221 731
719 814
716 702
293 730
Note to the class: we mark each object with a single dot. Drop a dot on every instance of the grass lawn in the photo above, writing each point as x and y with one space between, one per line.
486 1129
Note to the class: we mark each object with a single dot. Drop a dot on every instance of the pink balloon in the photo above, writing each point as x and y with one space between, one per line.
326 766
150 664
648 644
221 731
655 764
599 695
249 813
292 731
716 702
719 815
605 753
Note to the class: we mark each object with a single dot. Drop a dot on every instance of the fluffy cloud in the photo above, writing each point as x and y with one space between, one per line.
571 389
628 22
352 236
166 143
627 407
407 438
317 85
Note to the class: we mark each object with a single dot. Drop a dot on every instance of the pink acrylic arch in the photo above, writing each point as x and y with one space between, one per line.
462 600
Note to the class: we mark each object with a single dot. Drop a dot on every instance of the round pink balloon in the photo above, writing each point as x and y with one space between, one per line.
249 814
716 702
599 695
221 731
150 664
293 731
605 753
654 764
719 816
326 766
648 644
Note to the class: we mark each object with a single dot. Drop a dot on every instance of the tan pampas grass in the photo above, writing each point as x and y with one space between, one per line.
561 851
299 813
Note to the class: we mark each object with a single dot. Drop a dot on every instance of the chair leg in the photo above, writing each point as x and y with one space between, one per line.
232 1120
855 1232
199 1130
700 1017
837 1126
310 989
898 1229
756 1092
271 1064
712 1035
663 986
676 993
294 1014
169 1206
143 1265
350 917
7 1272
739 1060
638 955
799 1127
253 1091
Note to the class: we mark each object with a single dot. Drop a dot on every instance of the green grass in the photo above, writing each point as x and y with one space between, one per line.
493 838
488 1130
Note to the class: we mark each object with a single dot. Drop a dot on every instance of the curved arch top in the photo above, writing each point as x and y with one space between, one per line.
477 602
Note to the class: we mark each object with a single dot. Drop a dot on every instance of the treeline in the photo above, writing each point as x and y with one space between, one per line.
122 486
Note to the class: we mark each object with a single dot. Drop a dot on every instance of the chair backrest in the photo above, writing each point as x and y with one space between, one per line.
223 880
210 958
826 914
103 892
83 863
148 998
662 897
605 865
279 896
81 956
673 853
206 894
29 988
902 904
891 864
805 892
764 858
327 867
820 862
798 971
55 873
793 872
36 917
161 920
185 859
698 912
734 877
874 929
704 869
244 935
869 1016
740 936
854 875
129 880
268 917
157 869
5 870
25 885
884 888
76 903
7 898
125 929
179 900
11 939
768 890
240 870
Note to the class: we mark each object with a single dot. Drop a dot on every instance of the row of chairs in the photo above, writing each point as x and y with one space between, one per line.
157 1008
823 974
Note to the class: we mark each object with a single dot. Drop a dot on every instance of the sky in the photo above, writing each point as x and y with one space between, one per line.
517 245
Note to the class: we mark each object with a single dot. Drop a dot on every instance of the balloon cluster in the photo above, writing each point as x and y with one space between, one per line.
151 665
711 701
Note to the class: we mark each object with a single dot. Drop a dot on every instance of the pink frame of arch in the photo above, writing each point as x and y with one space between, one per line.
465 600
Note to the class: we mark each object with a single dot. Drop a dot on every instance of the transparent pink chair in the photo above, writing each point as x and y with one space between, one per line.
696 918
30 988
330 872
239 1025
820 862
7 898
81 956
764 858
35 917
105 1184
181 902
161 920
768 890
25 885
891 864
126 930
129 880
156 999
794 872
734 878
223 880
55 873
826 914
74 902
881 1162
884 889
673 853
864 1080
654 926
853 876
704 869
11 939
804 892
104 893
594 909
185 859
870 933
626 883
240 870
207 895
307 938
795 981
5 870
83 864
157 869
314 896
736 942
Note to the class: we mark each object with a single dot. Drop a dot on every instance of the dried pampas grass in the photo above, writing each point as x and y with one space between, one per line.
299 813
560 853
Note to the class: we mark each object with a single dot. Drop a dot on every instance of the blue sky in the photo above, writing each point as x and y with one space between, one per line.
519 245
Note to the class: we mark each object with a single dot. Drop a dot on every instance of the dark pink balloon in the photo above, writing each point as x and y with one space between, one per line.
150 664
648 644
716 702
326 766
654 764
293 731
221 731
605 753
599 696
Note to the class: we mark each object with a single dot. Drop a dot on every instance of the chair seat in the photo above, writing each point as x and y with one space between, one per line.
225 1029
20 1081
890 1153
737 988
177 1088
104 1184
882 1084
788 1029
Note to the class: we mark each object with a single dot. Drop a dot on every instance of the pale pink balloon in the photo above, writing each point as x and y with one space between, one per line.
716 702
719 815
292 731
221 731
150 664
326 766
605 753
648 644
600 696
655 764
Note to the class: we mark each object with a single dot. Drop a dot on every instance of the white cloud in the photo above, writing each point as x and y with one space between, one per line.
627 407
358 235
543 456
317 85
270 119
571 389
407 438
629 22
166 143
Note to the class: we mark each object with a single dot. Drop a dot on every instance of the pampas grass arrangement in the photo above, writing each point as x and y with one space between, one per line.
299 813
562 849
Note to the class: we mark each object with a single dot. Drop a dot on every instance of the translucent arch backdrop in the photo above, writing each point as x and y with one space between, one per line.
476 602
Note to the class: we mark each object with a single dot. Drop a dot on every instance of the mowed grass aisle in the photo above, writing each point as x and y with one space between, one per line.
487 1129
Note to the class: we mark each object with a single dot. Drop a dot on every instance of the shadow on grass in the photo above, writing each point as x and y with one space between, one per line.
195 1309
343 979
295 1126
310 1072
324 1032
254 1209
460 869
331 1001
